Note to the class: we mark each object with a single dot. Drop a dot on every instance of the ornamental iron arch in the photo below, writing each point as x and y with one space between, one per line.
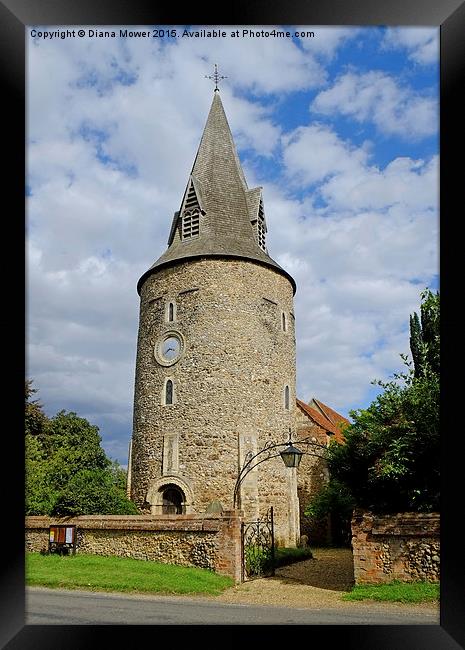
273 450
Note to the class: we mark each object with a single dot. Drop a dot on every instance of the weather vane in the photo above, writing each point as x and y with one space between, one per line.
216 77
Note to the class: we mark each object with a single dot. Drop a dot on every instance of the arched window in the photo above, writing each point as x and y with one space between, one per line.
169 392
286 398
170 312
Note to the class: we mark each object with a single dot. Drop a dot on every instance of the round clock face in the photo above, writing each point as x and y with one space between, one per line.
169 348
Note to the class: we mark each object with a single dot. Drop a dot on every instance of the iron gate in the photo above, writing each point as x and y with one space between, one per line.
258 547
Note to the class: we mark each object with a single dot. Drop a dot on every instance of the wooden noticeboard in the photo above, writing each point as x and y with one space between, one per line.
62 539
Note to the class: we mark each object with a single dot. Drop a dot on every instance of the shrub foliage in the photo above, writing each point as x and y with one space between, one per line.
67 471
390 459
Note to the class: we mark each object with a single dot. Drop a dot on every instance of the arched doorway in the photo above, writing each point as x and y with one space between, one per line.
170 495
173 500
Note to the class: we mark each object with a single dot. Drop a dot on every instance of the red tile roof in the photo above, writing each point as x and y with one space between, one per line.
330 413
316 417
326 417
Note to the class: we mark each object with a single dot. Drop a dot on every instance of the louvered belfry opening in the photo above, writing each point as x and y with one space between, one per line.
219 215
260 227
191 215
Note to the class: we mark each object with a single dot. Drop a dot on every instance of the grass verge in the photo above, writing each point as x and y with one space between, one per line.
401 592
101 573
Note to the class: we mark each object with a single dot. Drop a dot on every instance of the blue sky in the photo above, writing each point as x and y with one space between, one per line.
341 130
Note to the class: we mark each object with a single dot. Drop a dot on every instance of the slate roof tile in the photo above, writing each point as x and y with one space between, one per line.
225 228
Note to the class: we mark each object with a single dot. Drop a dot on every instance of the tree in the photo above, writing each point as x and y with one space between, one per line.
67 471
390 459
91 491
424 335
35 420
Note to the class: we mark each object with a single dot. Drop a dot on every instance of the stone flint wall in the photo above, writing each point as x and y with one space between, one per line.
229 387
208 541
312 475
403 546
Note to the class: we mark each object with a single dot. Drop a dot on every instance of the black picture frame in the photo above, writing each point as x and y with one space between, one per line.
15 16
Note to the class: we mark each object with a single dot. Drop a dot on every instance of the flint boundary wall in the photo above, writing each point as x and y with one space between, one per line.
207 541
403 546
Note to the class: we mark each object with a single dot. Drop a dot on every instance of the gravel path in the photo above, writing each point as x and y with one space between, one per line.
318 583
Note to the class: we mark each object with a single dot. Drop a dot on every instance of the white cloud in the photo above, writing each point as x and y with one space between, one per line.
376 97
270 65
114 127
314 153
359 262
347 180
356 337
421 43
327 40
403 181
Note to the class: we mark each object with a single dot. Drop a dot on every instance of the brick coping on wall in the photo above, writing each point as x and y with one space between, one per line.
202 522
417 524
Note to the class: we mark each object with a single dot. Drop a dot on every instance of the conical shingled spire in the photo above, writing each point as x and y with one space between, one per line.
218 216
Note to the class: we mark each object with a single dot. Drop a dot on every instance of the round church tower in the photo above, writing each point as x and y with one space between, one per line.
215 369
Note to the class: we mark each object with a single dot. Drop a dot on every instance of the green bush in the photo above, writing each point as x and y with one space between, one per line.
67 470
390 460
258 561
285 556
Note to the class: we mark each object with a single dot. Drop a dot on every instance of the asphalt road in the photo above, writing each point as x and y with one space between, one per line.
63 607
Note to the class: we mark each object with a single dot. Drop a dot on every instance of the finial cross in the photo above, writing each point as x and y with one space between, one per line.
216 77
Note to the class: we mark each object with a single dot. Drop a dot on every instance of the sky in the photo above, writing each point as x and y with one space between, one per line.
340 128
